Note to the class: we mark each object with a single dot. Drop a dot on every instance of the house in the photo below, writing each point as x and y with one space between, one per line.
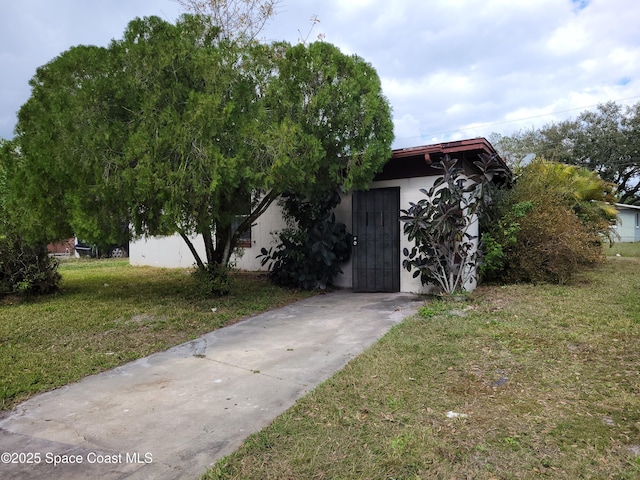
628 227
373 217
64 248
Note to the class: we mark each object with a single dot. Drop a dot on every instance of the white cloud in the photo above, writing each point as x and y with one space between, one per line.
568 39
450 68
407 129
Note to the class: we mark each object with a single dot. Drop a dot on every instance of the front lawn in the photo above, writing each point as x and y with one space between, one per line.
109 313
627 249
521 381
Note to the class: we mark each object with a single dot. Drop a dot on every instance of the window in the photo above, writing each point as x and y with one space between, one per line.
637 220
243 210
244 240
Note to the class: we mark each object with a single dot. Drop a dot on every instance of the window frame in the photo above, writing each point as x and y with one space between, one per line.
243 210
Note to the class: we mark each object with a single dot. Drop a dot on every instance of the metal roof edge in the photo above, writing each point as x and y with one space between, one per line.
624 205
479 143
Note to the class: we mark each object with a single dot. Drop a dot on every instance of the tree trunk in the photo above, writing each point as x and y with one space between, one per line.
227 240
193 250
223 246
219 251
209 247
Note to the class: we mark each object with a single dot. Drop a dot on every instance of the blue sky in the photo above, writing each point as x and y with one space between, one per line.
451 69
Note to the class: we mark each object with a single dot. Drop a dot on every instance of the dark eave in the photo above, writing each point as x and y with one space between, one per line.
416 161
481 145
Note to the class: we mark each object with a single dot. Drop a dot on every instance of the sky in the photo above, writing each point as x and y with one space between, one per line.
451 69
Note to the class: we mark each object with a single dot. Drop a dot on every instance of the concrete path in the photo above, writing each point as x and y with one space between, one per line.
173 414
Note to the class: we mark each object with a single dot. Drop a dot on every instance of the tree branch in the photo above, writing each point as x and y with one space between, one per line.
192 248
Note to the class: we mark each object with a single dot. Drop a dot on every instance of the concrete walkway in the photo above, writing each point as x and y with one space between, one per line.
173 414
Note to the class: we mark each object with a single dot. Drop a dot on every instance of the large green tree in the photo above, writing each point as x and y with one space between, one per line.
173 127
606 140
63 133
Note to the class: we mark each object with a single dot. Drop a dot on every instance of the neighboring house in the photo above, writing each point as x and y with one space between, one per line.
65 248
628 227
372 216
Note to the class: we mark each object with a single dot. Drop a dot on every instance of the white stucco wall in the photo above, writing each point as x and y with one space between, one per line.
172 251
168 252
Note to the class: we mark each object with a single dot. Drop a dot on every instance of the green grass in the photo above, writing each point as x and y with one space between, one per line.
547 376
108 313
623 249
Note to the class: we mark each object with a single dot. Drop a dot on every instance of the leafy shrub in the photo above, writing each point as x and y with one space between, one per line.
550 225
501 237
552 245
442 224
312 248
582 191
26 269
213 279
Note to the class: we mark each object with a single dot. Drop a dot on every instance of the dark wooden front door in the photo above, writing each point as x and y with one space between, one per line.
376 230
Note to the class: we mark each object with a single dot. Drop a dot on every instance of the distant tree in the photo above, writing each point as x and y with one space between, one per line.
606 141
237 19
176 129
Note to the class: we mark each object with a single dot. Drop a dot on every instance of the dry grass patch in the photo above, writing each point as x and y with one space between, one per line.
545 381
